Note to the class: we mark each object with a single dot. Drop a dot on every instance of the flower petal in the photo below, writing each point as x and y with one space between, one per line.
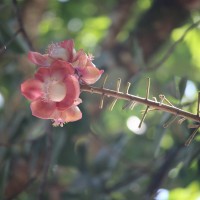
90 74
42 109
80 60
77 101
72 94
59 69
42 74
39 59
72 114
32 89
69 46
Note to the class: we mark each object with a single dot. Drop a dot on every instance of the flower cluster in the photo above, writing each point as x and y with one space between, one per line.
55 88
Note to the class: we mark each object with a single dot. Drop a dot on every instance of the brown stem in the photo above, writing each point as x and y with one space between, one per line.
150 103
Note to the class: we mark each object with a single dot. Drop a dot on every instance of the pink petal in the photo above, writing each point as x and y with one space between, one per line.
80 60
68 115
39 59
61 69
69 46
73 92
42 73
90 74
31 89
72 114
42 109
77 101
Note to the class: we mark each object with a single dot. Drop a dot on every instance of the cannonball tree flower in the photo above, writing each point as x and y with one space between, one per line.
62 50
54 93
87 71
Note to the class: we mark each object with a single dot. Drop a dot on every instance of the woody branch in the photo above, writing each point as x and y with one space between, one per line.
145 101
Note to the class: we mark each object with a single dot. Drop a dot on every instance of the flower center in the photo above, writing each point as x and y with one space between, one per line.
57 91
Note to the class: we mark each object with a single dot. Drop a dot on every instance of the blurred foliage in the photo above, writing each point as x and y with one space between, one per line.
99 157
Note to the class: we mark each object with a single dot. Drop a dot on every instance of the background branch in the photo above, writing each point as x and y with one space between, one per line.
47 162
21 25
173 46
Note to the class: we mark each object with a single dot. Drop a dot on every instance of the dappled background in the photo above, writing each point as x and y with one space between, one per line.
103 156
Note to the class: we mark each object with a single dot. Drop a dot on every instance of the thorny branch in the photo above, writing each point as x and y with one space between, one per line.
145 101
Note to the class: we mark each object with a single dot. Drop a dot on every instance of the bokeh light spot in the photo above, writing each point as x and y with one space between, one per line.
75 24
162 194
132 124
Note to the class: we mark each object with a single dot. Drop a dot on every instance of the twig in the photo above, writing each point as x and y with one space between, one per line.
47 162
121 14
160 173
21 25
171 49
153 104
4 47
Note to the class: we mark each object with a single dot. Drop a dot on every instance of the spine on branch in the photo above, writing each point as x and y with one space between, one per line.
162 105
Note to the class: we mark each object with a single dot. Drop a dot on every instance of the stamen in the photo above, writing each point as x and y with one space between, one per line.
54 91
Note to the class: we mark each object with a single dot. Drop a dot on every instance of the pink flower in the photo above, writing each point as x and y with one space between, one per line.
62 50
54 92
86 70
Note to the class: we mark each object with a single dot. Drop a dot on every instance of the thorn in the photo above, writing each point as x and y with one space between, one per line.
191 137
148 87
198 104
128 104
169 102
167 124
163 98
193 125
104 81
152 109
113 104
101 101
132 105
143 117
180 121
154 98
127 87
118 84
